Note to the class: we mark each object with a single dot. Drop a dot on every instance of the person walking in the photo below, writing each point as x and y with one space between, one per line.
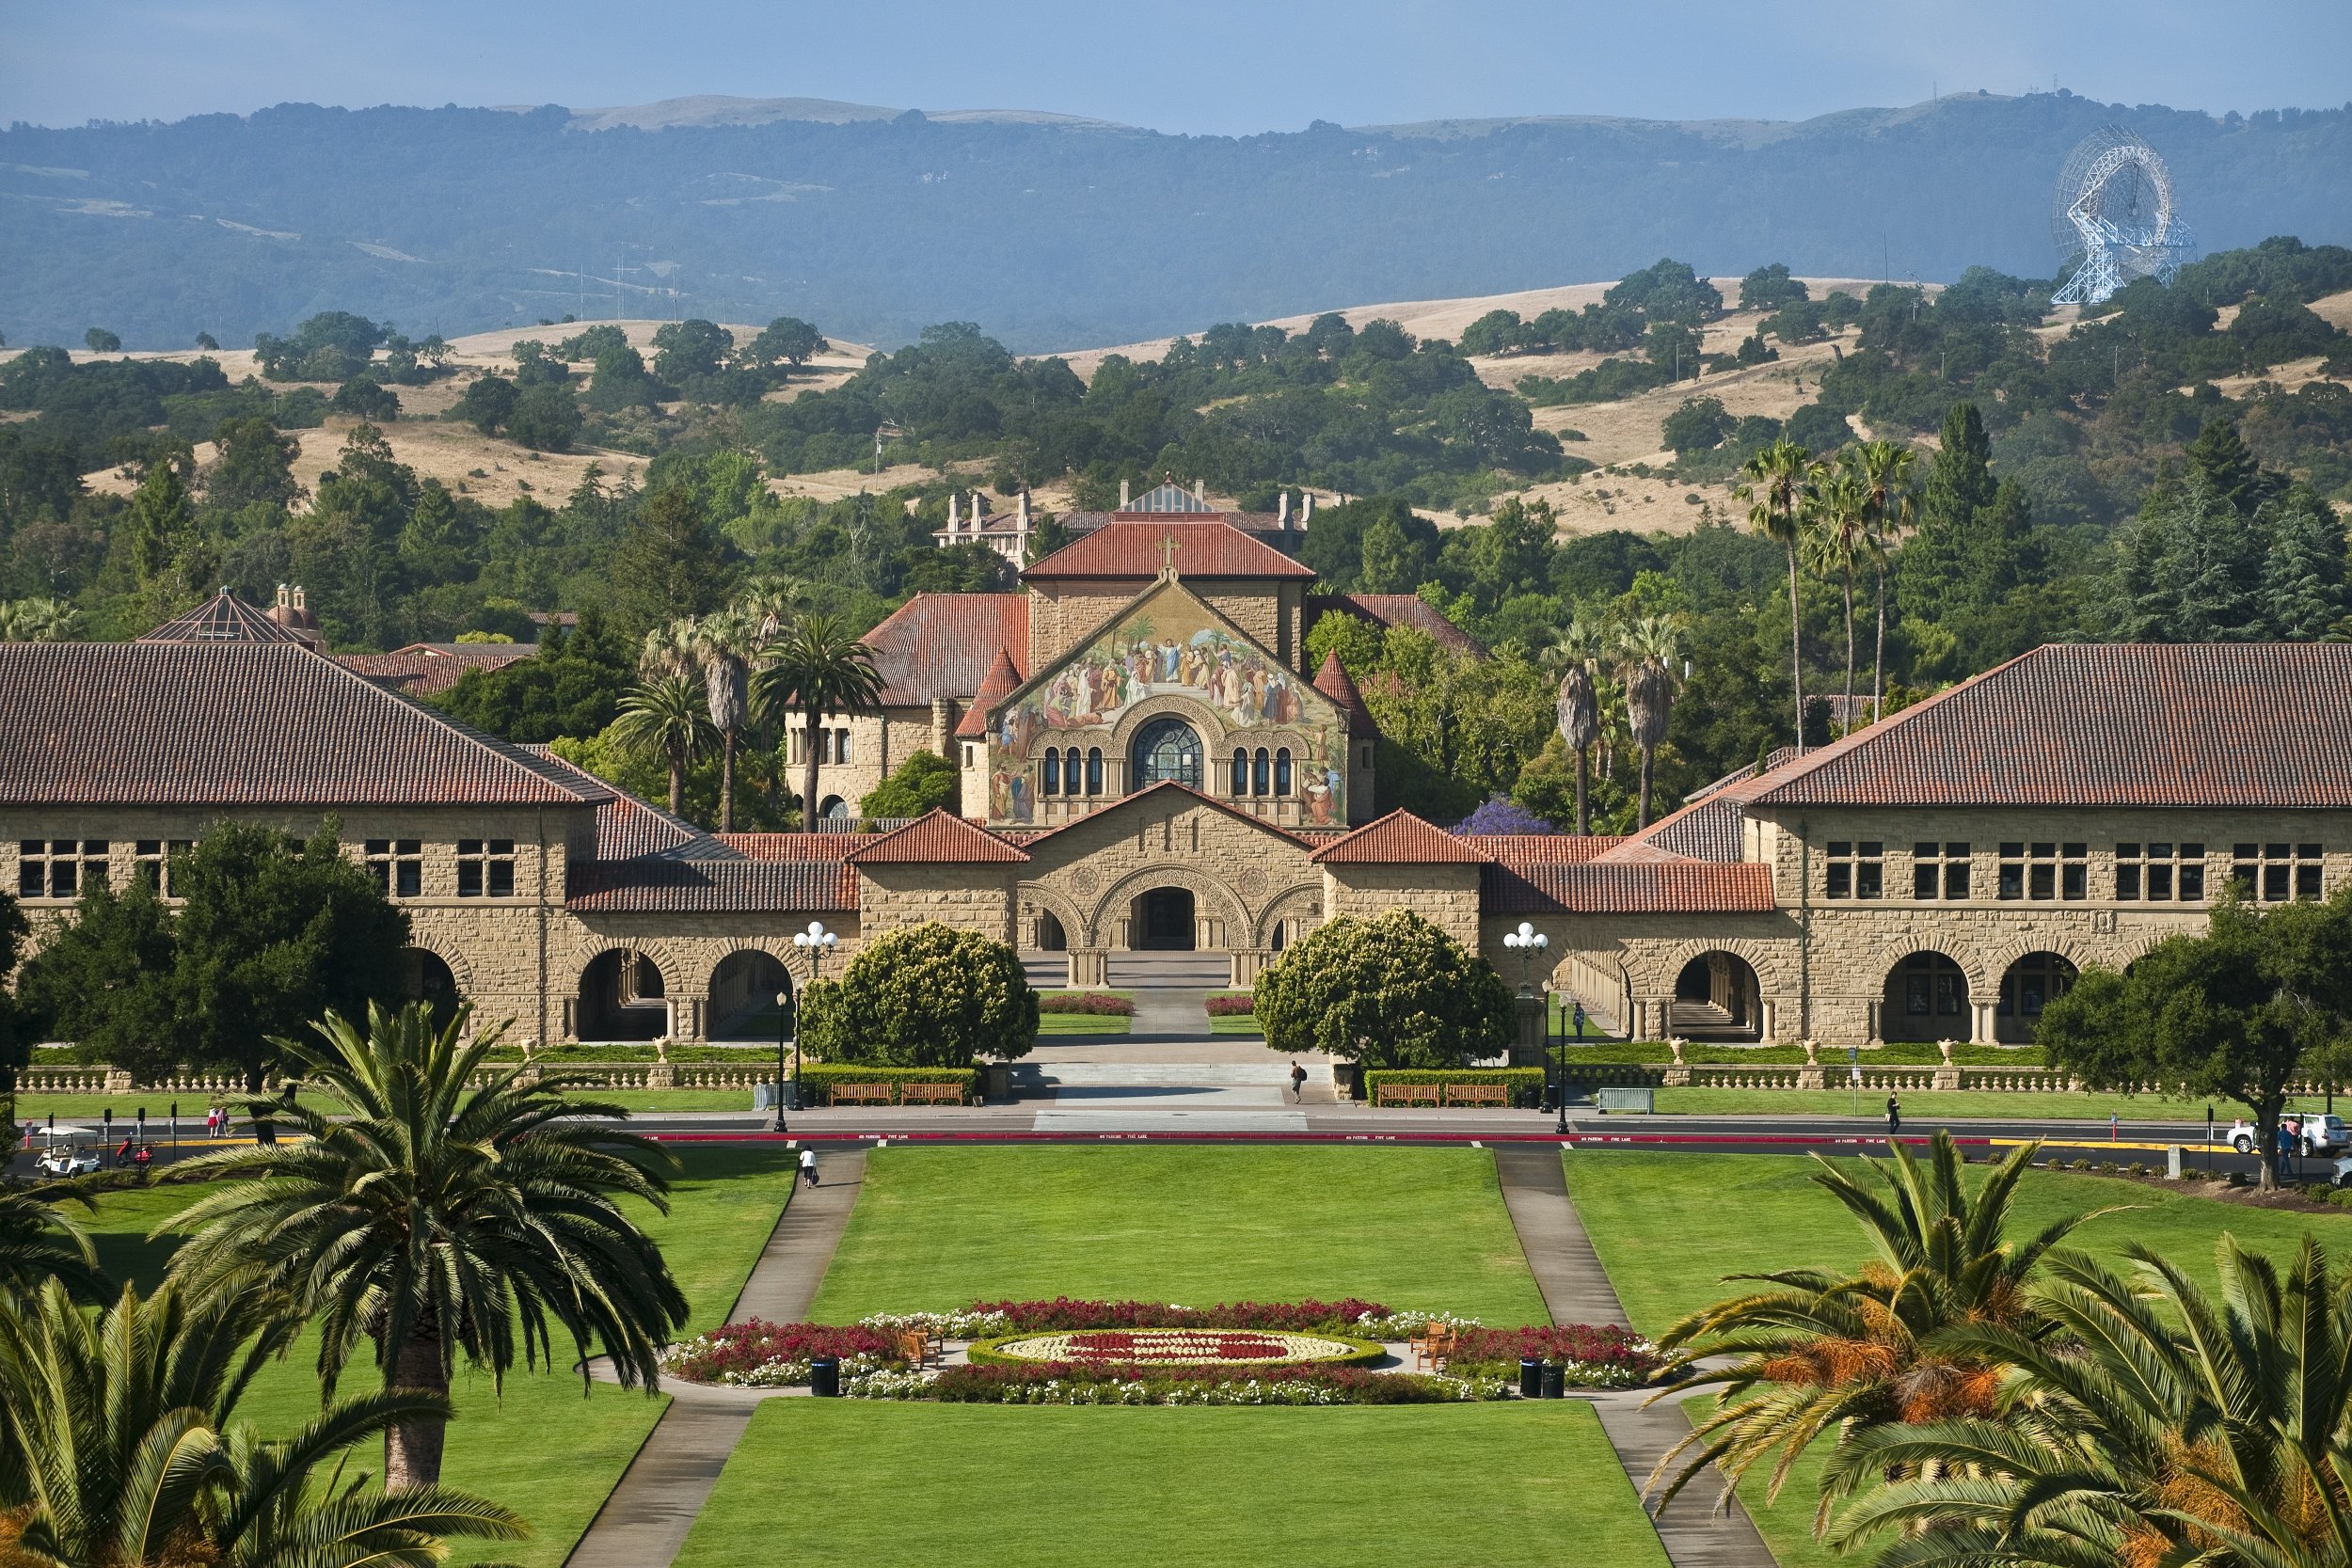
808 1167
1298 1083
1894 1115
211 1121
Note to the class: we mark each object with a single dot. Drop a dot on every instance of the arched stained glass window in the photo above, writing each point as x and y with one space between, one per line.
1053 772
1261 776
1282 771
1167 751
1241 772
1094 770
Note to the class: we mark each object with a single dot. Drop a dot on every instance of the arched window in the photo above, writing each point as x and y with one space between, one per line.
1053 772
1167 751
1094 770
1241 772
1262 775
1282 771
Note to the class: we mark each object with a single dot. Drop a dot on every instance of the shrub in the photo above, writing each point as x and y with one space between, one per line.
1395 992
2079 1165
817 1081
761 1354
1526 1083
926 996
925 781
1092 1003
1231 1006
989 1353
1312 1384
1064 1313
1597 1357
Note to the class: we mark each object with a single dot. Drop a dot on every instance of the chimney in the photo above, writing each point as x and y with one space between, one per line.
1306 509
979 506
297 598
952 524
1025 509
1122 494
282 601
1200 489
1282 512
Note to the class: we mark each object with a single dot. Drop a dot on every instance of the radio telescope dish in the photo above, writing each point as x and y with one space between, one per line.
2115 218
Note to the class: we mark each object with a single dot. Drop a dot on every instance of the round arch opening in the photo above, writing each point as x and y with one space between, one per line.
1166 751
622 998
2027 986
425 976
1162 920
1717 997
743 991
1926 998
1050 935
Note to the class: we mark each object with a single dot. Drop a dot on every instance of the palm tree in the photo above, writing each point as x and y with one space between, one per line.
1577 651
1836 524
1648 655
668 717
1886 476
2158 1424
1823 1350
118 1447
727 643
39 1242
1776 489
434 1218
816 667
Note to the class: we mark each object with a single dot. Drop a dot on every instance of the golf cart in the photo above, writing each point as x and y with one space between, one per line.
64 1154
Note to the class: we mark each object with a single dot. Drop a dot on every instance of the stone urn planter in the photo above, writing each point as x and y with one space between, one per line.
663 1074
1948 1075
1810 1075
1679 1075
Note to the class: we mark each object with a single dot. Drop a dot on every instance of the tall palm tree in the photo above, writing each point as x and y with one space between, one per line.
39 1242
668 717
2158 1424
1886 467
1647 655
728 642
117 1448
1835 526
1823 1350
434 1218
1774 491
816 667
1576 651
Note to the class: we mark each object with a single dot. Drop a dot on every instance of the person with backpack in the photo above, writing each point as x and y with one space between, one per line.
1894 1115
1298 1083
808 1167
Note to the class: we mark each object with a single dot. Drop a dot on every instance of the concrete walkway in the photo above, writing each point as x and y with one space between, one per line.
645 1521
1577 1290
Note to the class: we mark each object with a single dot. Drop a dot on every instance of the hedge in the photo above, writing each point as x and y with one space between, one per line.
988 1353
1102 1003
817 1081
1526 1083
1716 1053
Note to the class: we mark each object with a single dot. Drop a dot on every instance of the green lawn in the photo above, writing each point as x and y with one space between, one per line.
1413 1227
1083 1023
1239 1023
1922 1107
851 1482
1669 1226
542 1447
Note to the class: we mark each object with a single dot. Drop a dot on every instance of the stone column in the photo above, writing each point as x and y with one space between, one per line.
1767 1020
1980 1022
1248 963
1088 966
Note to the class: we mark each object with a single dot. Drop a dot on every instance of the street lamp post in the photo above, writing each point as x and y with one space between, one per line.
783 1025
817 941
1527 942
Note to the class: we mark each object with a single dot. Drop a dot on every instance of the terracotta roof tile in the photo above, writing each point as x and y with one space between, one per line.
1203 548
2105 725
1002 679
734 885
1392 609
629 828
242 723
428 669
1669 887
796 846
1227 807
1543 849
1333 682
1400 838
942 838
941 644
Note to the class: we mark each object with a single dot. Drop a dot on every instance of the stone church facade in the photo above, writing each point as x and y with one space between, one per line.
1147 765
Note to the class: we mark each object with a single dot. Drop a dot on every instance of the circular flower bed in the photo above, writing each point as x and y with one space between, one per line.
1184 1347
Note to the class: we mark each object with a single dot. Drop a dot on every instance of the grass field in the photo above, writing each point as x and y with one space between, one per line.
1083 1023
542 1447
1237 1023
819 1482
1921 1108
1413 1227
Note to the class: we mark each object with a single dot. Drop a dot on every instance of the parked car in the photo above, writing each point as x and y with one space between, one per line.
2313 1134
63 1155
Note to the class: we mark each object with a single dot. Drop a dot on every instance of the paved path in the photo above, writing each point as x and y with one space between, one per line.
644 1523
1577 1290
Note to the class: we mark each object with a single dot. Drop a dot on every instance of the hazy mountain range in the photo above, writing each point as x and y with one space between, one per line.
1050 230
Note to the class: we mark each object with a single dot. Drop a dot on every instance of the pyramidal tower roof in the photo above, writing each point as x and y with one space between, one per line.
995 687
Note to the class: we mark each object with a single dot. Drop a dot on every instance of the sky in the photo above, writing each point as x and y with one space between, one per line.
1212 67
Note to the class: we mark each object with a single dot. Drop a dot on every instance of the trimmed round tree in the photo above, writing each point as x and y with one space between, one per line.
1394 992
926 996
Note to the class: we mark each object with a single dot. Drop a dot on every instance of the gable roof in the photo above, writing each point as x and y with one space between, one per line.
941 644
1101 813
1545 848
2105 725
425 669
223 618
1002 681
939 838
1400 838
1203 547
796 846
1392 609
243 724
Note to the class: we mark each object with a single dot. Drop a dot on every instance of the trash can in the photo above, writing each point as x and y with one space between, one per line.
1531 1377
1555 1381
824 1377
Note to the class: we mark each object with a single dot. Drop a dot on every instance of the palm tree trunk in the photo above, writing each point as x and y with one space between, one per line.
726 784
1796 650
808 795
1850 725
412 1451
677 782
1583 818
1643 820
1878 659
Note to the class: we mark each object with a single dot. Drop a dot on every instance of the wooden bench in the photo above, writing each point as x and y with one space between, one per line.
931 1094
861 1094
1409 1094
1433 1347
920 1349
1477 1094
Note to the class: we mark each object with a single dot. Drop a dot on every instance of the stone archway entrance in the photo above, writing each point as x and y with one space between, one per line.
425 978
1926 998
743 991
622 998
1717 997
1163 920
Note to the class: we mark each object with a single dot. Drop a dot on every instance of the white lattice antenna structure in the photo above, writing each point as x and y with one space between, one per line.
2116 218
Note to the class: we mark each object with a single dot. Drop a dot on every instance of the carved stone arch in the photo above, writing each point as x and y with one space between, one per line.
674 976
453 956
1968 955
1302 899
1192 710
2076 951
1074 926
1656 971
1173 874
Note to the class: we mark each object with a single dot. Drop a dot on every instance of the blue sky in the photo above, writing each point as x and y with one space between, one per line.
1224 67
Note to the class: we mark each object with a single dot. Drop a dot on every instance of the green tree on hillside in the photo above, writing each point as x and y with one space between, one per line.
785 341
487 404
689 349
99 341
255 467
671 565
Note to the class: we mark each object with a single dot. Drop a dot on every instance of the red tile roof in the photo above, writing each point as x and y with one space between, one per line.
2108 724
1400 838
1392 609
1165 784
657 884
941 644
1202 549
942 838
1333 682
242 723
1543 849
428 669
796 846
1665 887
1003 678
